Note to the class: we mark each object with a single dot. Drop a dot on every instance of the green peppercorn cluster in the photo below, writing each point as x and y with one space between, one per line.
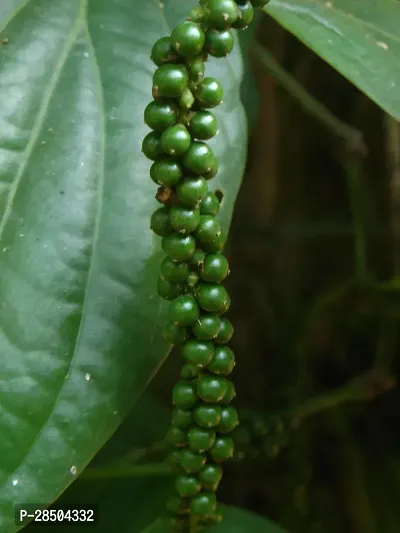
194 267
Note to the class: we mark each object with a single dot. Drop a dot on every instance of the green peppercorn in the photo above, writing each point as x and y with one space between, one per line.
229 420
198 353
209 205
187 485
175 334
179 247
230 394
184 394
212 298
167 172
208 229
151 146
203 504
209 92
191 461
203 125
207 327
184 310
176 436
225 333
213 171
181 418
191 191
211 389
200 439
223 361
162 52
168 290
221 14
246 15
159 222
198 158
215 246
188 39
184 219
220 43
189 371
186 99
210 476
173 459
170 80
160 115
198 258
196 68
215 268
178 506
207 416
176 140
223 449
172 271
213 519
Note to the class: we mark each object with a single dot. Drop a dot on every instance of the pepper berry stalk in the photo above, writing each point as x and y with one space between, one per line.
194 269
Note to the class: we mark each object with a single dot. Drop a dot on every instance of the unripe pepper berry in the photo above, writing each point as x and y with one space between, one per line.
191 191
229 420
184 219
176 437
230 394
168 290
209 92
223 449
213 171
169 81
178 506
210 476
192 462
198 159
208 416
184 311
203 125
196 67
207 327
187 485
151 146
188 39
179 247
198 258
210 205
221 14
198 353
212 298
215 246
200 439
225 333
160 115
163 52
246 15
176 140
167 172
223 361
208 229
181 418
203 504
175 334
159 222
172 271
211 389
215 268
219 43
184 394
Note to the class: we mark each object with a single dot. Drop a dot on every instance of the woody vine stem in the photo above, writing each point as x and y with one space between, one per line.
194 267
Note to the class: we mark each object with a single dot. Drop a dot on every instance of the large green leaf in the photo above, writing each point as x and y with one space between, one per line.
80 320
360 38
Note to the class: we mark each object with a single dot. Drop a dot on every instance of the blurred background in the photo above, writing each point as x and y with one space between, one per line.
315 255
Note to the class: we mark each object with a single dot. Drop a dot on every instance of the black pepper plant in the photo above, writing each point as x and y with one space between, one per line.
194 269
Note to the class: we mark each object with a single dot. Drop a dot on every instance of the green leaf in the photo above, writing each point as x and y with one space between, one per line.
359 38
235 521
79 315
